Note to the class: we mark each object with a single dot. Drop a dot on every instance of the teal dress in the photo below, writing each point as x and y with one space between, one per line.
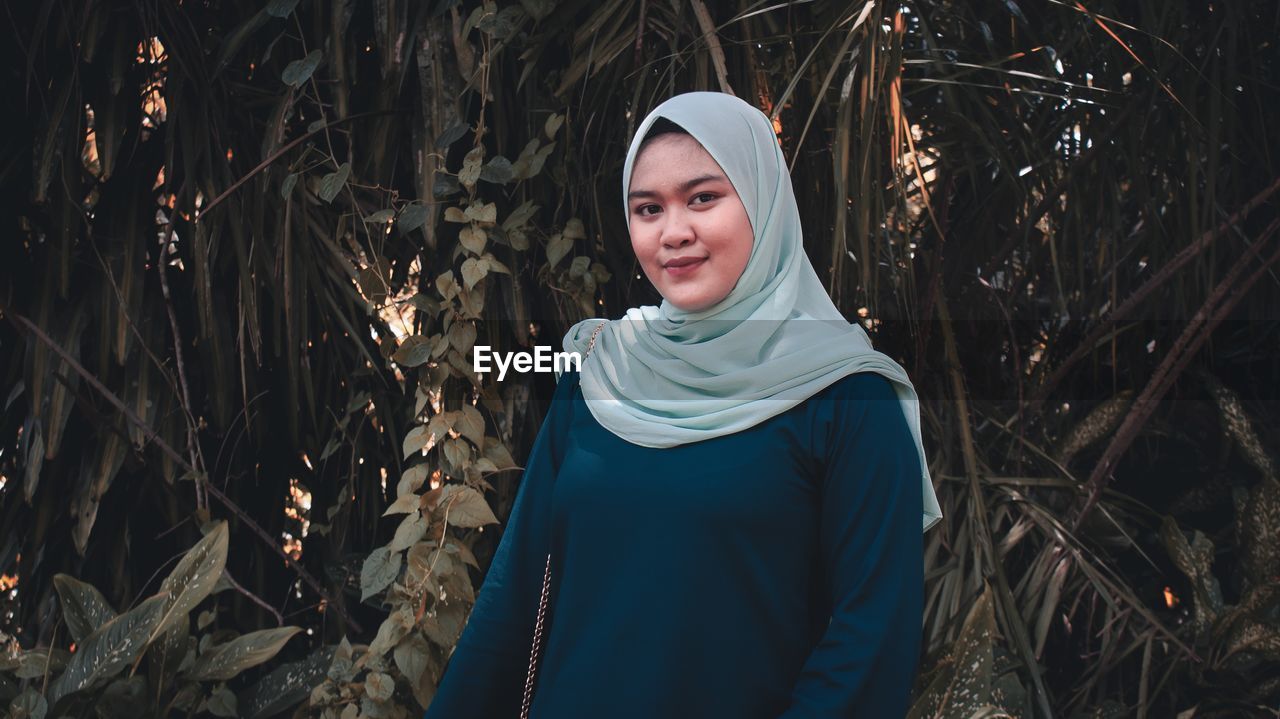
772 573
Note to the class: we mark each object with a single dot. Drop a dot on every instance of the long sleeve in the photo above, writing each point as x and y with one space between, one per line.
871 556
485 674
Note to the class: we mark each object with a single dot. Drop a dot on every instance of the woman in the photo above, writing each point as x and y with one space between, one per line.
729 490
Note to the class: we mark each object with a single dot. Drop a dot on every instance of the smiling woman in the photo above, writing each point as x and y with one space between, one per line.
719 516
688 227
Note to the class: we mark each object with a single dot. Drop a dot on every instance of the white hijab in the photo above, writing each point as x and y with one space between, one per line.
662 377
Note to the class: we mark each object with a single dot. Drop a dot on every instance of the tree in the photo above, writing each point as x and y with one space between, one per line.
268 235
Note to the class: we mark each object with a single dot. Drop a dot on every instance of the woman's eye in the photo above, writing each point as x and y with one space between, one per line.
707 195
641 210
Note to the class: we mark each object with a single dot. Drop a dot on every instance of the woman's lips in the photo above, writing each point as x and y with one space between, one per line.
684 269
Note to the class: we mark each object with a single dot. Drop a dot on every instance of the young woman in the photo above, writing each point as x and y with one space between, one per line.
727 498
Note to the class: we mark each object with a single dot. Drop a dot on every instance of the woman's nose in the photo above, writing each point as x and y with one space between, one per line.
677 232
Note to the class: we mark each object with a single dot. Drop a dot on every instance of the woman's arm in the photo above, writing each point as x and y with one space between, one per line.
872 558
485 674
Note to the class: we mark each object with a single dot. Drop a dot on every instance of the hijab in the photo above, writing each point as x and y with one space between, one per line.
662 377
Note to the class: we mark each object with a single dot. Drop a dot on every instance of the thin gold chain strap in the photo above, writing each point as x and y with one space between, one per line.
537 641
542 601
591 345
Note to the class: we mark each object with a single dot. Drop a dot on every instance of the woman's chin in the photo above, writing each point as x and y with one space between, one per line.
686 302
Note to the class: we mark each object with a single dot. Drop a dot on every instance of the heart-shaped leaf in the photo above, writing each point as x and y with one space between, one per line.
379 570
466 506
299 71
331 184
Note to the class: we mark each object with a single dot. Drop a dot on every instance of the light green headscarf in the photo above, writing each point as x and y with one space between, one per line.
662 377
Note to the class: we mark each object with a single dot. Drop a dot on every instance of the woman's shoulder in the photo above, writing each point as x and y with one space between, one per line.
567 382
866 385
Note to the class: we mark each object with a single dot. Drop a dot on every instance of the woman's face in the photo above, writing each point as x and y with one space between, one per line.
688 227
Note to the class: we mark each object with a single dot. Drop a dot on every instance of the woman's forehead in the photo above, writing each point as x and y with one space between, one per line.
667 153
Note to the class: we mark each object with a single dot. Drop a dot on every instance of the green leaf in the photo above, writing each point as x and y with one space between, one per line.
238 37
471 425
497 170
123 699
413 217
28 705
83 606
425 303
331 184
414 441
411 480
539 158
574 229
445 186
281 8
413 351
552 125
299 71
519 217
379 686
447 286
557 248
34 663
192 579
538 9
466 506
227 660
470 171
286 188
114 646
440 424
504 23
963 686
381 216
413 659
462 336
404 504
166 655
379 570
497 452
222 703
285 686
452 135
600 272
1195 559
494 264
486 213
456 453
393 629
473 238
474 269
409 532
439 346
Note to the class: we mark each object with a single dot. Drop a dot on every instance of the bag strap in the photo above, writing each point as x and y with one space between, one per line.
540 623
592 344
537 642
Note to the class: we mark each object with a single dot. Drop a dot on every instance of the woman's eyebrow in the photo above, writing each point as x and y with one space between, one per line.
684 186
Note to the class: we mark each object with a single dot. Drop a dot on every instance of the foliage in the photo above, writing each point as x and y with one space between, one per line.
257 242
184 672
